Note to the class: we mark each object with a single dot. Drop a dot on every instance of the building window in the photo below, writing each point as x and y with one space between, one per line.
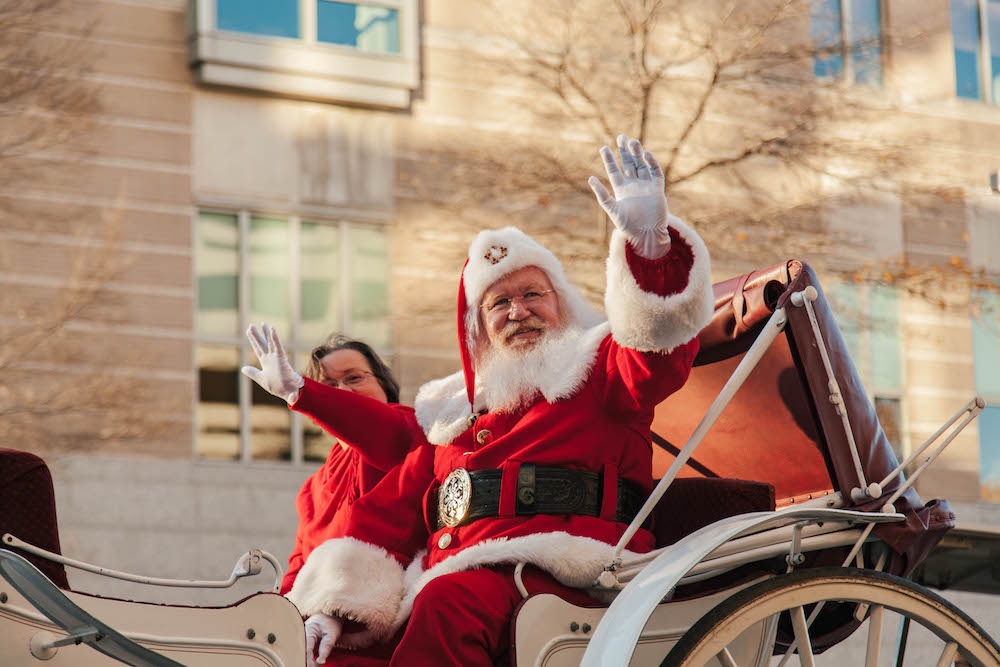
330 50
868 318
986 351
363 27
847 35
308 279
259 17
975 29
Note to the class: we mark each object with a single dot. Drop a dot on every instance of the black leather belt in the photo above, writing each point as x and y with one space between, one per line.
469 495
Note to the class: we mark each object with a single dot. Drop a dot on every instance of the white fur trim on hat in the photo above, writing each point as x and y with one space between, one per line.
495 253
353 579
573 560
648 322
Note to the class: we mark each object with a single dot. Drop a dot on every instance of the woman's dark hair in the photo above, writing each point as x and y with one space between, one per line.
340 342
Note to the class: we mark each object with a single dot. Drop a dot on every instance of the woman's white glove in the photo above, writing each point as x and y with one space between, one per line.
639 207
275 374
322 633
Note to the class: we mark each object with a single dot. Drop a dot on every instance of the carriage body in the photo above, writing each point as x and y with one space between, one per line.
784 471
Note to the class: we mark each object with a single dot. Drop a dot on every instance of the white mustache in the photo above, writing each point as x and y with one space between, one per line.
533 323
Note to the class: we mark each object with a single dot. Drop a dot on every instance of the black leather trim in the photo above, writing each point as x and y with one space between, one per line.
542 490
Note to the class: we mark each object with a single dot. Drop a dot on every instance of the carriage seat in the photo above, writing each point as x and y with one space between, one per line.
28 509
690 503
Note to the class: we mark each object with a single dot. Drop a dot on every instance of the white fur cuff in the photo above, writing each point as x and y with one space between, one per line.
649 322
352 579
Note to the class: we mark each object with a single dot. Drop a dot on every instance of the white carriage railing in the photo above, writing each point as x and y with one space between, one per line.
777 541
249 564
616 636
80 627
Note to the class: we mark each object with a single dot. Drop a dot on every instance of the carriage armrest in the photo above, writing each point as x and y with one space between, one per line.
690 503
79 625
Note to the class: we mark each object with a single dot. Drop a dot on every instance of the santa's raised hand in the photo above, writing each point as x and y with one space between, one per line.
638 207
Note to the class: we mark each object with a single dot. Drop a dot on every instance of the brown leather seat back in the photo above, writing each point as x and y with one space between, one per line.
769 432
781 427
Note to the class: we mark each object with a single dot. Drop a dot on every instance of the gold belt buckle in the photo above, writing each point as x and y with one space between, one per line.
454 497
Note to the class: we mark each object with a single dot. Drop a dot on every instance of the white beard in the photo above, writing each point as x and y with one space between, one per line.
442 405
511 378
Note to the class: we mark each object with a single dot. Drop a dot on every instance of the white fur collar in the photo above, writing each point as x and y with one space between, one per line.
442 406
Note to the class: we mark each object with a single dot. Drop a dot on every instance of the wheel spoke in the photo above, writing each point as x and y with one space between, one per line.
948 654
802 637
726 658
767 646
791 649
749 616
904 637
874 635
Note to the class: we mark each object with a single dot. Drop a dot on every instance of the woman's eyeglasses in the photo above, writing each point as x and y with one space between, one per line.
352 380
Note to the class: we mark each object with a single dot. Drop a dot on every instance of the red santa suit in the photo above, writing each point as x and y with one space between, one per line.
592 413
372 441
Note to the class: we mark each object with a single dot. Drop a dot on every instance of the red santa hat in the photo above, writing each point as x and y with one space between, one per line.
496 253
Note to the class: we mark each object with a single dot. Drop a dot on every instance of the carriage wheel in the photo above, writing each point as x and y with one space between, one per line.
783 604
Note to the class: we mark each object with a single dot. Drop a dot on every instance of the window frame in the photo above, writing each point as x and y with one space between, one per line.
304 67
983 214
990 395
294 347
984 57
847 74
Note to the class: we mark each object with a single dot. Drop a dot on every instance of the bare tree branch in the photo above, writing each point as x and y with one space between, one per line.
756 145
61 386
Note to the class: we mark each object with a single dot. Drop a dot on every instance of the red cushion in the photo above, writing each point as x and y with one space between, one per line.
691 503
28 509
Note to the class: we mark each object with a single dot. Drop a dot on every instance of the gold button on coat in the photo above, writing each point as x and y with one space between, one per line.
444 541
483 436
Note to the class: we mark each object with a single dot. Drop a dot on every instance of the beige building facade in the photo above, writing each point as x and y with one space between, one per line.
244 168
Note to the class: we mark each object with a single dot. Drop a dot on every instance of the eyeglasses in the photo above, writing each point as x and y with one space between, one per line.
503 304
353 380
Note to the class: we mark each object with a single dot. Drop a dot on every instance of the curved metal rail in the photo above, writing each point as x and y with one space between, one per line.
616 636
251 563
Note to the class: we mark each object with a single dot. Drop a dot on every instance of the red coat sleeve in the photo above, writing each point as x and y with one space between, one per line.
667 275
380 432
295 562
638 381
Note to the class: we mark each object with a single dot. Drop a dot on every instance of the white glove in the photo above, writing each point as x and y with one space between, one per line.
639 207
275 374
322 633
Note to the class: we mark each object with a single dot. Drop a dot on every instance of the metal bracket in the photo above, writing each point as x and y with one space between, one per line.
795 555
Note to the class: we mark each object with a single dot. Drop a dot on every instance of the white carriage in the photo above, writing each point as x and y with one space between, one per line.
786 526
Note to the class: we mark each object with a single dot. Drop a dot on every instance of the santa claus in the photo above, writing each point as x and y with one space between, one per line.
539 447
